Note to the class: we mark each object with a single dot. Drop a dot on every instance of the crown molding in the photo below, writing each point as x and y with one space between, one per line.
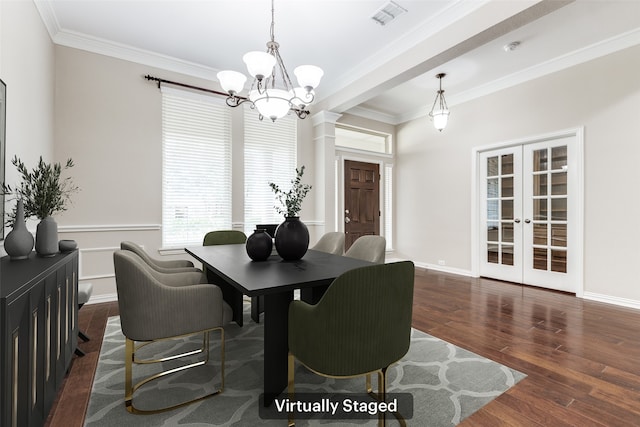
48 17
128 53
577 57
112 49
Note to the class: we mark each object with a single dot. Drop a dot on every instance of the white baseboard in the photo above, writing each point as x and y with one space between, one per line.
624 302
97 299
444 269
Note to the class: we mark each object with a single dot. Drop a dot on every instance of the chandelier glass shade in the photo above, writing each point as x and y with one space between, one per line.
272 92
439 111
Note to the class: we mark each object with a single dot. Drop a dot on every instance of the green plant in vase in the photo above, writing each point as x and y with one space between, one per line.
44 192
292 236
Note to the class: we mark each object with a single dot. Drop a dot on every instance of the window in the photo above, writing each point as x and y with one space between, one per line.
196 167
365 140
269 156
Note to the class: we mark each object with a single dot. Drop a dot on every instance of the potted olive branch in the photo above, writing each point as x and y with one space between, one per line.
42 192
292 236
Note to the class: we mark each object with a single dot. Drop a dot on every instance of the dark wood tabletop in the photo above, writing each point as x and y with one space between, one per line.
229 267
255 278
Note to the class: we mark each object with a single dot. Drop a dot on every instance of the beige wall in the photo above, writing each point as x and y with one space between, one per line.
27 68
108 119
433 183
103 114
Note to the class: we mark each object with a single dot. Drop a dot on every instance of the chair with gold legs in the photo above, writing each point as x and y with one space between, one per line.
361 326
368 248
156 307
331 242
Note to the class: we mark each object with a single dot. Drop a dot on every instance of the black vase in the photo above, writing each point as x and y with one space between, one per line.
259 245
292 239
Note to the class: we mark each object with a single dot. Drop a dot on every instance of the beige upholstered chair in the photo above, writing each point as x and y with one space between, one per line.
156 306
332 242
368 248
163 266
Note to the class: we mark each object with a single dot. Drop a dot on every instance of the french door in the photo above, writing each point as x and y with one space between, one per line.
528 214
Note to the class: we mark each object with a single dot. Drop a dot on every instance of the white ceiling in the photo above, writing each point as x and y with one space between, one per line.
202 37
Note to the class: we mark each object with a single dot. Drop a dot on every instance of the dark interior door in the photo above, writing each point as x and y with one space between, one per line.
361 200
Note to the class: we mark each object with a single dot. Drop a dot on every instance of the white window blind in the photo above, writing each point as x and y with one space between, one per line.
269 156
196 167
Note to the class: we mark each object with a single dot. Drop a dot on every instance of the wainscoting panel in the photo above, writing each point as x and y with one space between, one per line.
96 244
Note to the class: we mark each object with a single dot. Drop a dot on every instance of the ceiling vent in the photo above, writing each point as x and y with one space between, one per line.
388 12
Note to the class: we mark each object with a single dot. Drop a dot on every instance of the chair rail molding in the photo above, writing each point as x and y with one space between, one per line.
107 228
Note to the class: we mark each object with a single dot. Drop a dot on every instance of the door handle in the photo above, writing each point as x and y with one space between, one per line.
527 220
517 221
347 220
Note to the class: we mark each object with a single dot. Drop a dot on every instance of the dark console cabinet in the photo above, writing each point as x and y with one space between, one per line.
38 334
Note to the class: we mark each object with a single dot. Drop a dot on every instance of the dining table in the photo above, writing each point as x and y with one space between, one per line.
229 267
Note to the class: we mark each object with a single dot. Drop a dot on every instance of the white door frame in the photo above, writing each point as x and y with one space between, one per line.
578 133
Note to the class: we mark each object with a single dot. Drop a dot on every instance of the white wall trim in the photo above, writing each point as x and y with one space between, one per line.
82 251
97 299
107 228
624 302
444 269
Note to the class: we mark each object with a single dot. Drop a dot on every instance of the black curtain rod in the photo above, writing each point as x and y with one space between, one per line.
201 89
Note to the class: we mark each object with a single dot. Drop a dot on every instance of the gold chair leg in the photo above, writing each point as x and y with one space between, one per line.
130 389
291 386
382 390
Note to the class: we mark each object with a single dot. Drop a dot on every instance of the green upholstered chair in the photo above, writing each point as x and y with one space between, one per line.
157 306
368 248
224 237
332 243
230 237
163 266
360 326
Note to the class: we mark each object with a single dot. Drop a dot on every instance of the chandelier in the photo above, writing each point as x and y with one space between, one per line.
439 112
272 92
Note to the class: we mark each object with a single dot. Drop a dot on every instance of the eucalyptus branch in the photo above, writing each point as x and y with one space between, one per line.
291 201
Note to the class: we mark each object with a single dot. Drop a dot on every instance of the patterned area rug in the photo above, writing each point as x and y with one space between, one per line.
447 383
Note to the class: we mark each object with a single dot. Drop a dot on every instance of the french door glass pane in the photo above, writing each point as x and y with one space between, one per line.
540 185
540 258
492 210
540 160
507 187
507 255
559 235
539 234
507 232
507 209
559 209
492 253
559 261
507 164
492 231
559 184
492 166
492 187
540 209
559 157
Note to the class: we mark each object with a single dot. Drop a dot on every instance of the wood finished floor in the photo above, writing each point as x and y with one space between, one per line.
582 358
